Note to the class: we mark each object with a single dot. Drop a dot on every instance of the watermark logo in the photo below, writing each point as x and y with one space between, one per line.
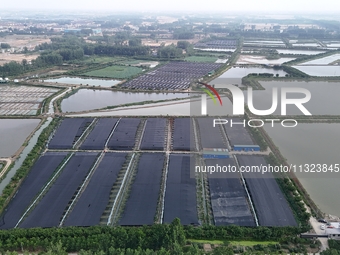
238 100
207 90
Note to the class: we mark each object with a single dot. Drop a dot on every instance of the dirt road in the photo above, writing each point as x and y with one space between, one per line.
8 163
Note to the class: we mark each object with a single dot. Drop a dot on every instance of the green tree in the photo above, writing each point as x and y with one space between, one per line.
177 232
222 251
5 46
56 249
169 52
330 252
183 44
135 42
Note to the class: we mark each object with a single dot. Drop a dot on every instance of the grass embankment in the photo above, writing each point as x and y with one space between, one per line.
66 95
241 243
100 60
47 101
307 58
115 71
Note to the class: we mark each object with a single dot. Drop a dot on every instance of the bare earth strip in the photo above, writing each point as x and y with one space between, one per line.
8 57
8 163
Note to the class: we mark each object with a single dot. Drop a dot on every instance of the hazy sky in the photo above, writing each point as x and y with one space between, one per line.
228 6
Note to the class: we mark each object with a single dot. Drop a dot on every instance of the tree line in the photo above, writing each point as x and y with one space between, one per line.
68 48
162 238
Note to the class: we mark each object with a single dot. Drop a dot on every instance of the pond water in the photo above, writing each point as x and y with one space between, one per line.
299 52
249 59
234 75
83 81
265 42
23 155
183 107
324 97
216 49
13 133
322 61
320 71
333 45
306 45
89 99
315 143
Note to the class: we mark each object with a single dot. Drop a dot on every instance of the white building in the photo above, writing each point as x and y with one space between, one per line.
333 230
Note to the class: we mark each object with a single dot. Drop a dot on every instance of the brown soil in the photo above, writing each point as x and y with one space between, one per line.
8 57
30 41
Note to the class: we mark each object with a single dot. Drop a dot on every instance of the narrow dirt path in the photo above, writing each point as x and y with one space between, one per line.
8 163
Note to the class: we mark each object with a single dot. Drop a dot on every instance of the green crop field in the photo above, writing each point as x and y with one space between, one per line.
117 72
201 59
101 59
134 62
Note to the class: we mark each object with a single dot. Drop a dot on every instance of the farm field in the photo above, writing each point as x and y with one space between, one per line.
93 201
218 45
182 135
214 139
154 134
237 135
264 43
97 138
144 192
34 182
8 57
131 62
102 59
20 41
23 100
201 59
112 168
228 197
68 133
124 136
180 195
117 72
172 76
50 209
165 41
271 207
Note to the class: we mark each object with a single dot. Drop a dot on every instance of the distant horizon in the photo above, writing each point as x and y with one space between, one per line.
259 7
62 14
